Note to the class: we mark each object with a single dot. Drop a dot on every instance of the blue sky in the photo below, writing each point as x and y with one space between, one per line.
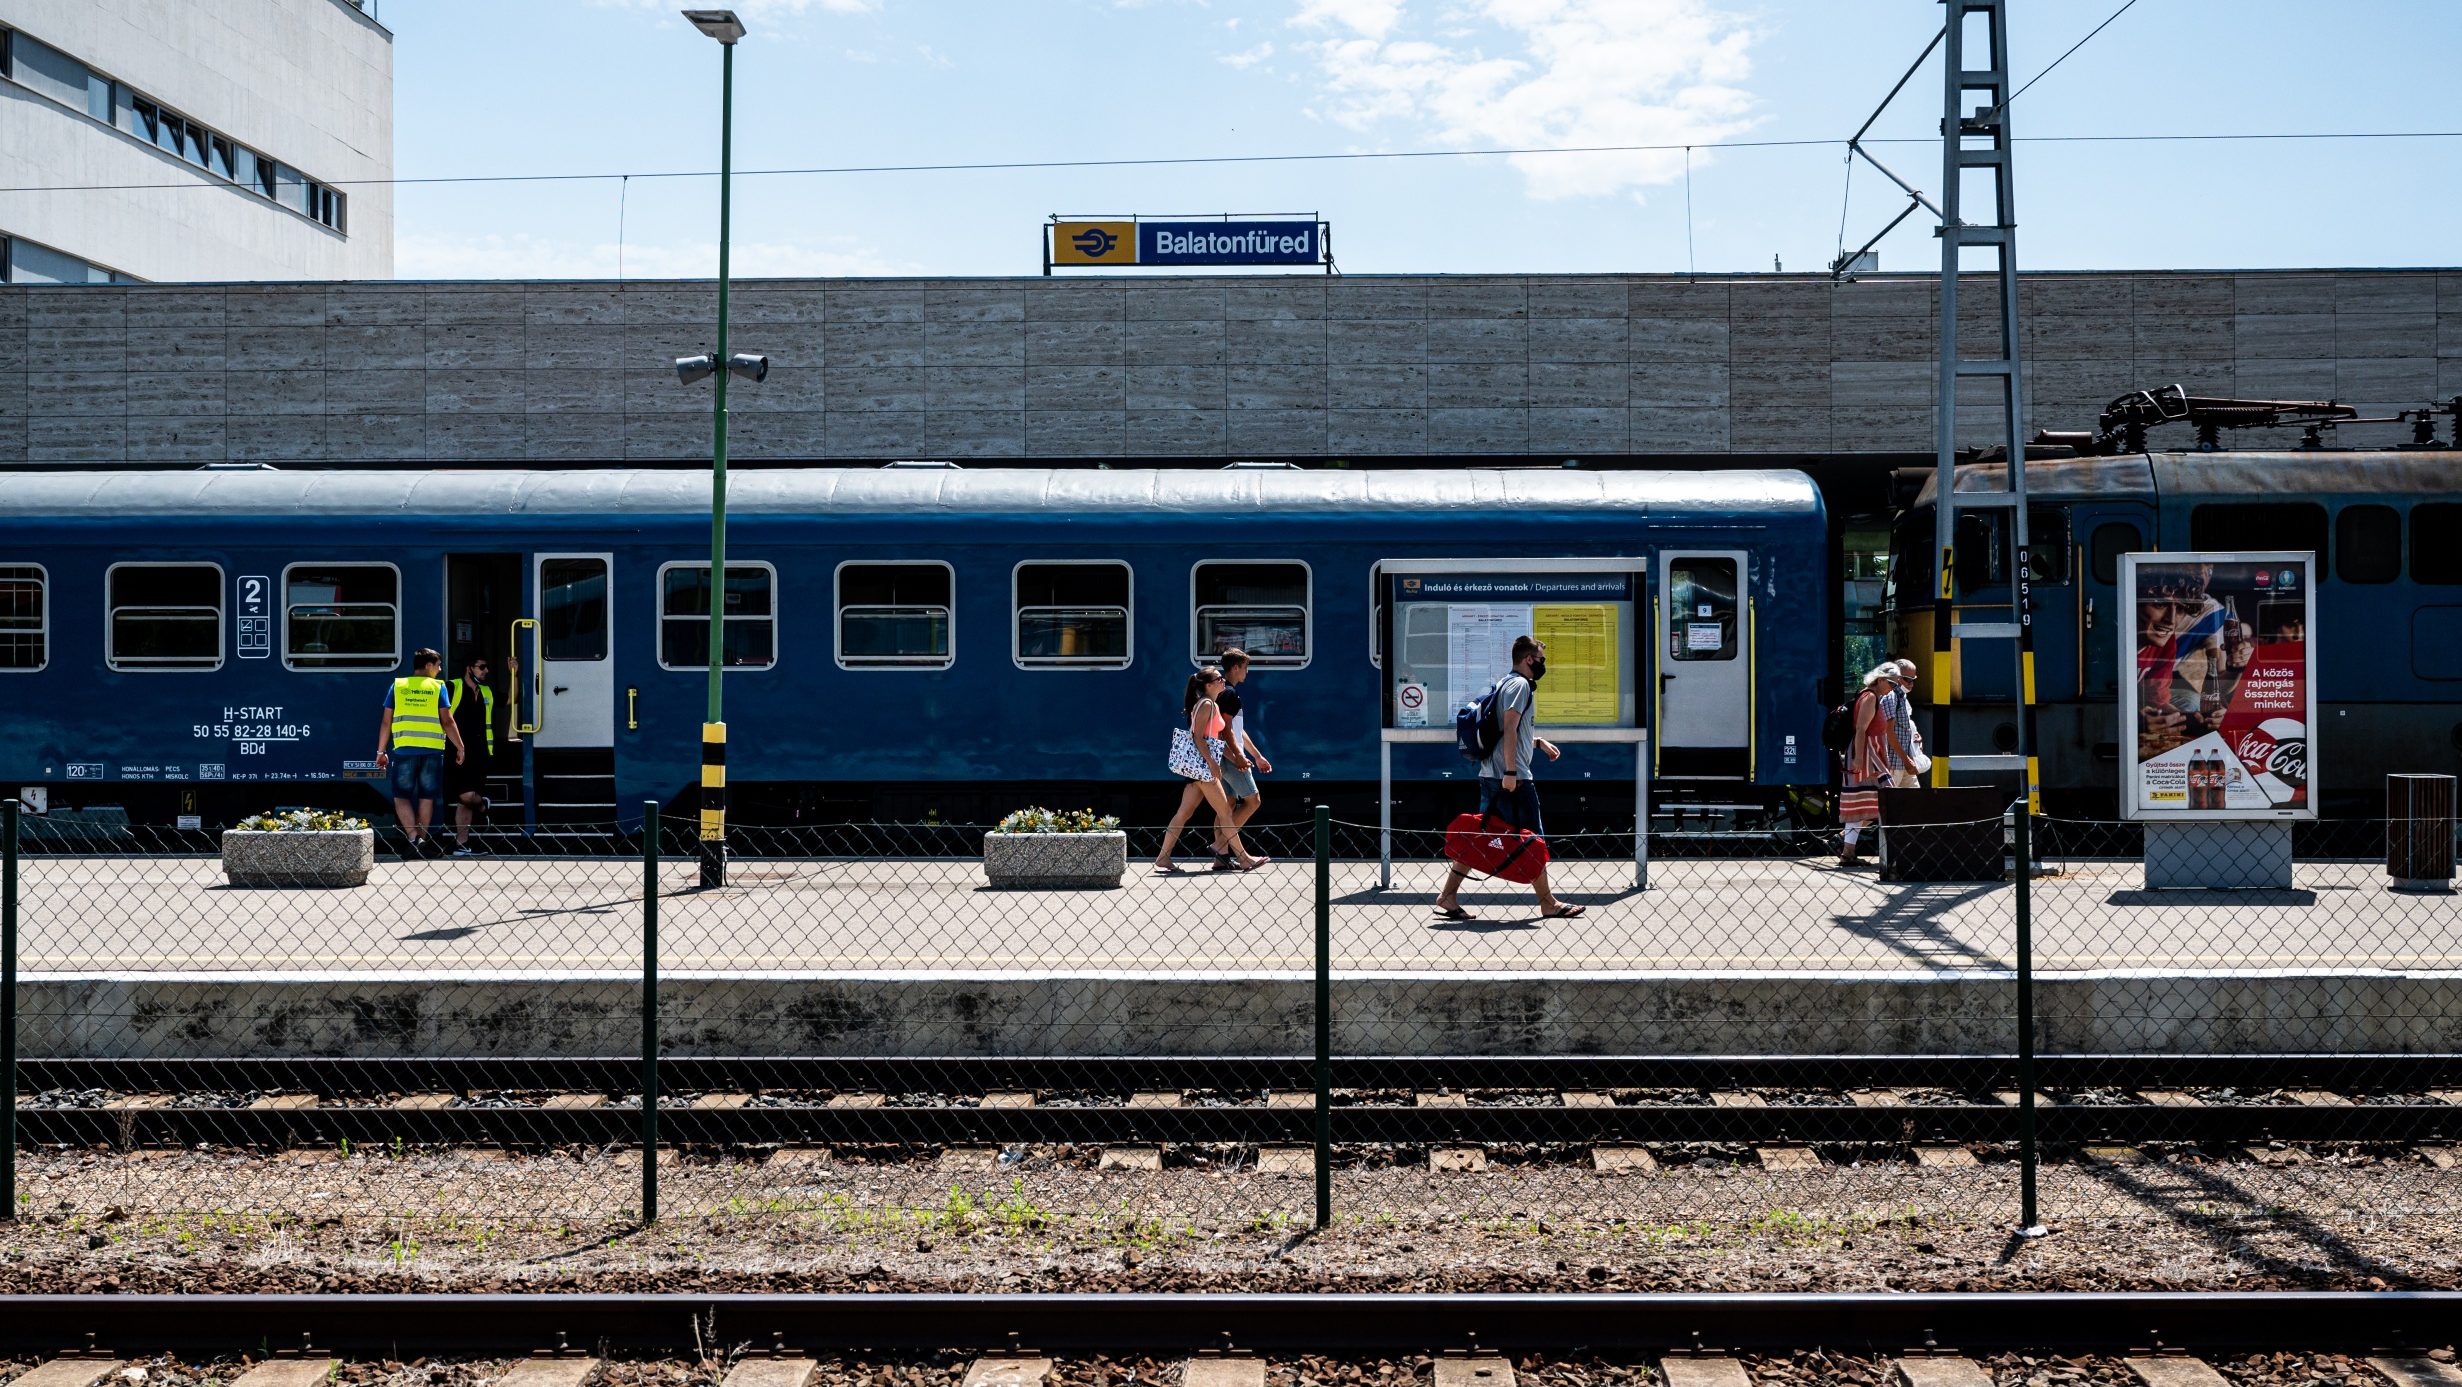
494 87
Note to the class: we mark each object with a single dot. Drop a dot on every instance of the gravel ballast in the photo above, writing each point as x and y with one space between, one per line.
1049 1219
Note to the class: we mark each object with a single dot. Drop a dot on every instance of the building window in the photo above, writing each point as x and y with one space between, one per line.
1071 615
2368 540
750 640
25 618
164 616
45 70
2256 526
1259 607
341 616
895 615
2436 543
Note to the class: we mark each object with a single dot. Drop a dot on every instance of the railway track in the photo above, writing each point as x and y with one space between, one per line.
1932 1338
2083 1100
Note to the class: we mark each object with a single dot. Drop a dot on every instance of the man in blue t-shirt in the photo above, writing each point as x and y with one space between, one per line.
1505 786
411 739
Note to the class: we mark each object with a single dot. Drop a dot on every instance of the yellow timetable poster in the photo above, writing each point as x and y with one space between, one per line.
1581 684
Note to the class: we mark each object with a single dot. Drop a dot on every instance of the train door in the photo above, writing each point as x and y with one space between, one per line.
2103 537
573 750
1704 723
482 596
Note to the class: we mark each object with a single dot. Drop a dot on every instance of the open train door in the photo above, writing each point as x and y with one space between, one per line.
1703 730
572 697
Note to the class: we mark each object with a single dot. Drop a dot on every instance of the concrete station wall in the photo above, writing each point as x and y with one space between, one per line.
1299 366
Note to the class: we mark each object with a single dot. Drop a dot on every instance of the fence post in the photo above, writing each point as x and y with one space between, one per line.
2028 1224
1324 1016
649 1011
8 1010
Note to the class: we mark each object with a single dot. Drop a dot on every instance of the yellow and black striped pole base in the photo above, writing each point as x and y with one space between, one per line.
713 804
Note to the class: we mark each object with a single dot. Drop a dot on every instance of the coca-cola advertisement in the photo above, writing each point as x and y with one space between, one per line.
2220 704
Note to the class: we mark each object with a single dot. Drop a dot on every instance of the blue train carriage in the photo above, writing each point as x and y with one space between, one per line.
900 643
2387 530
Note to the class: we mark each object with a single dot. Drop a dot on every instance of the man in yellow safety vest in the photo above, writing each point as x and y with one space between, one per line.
473 705
410 746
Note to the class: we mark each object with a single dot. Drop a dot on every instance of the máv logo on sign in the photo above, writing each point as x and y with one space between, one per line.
1094 242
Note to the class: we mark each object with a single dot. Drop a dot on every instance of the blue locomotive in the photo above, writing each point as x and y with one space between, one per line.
902 643
2386 527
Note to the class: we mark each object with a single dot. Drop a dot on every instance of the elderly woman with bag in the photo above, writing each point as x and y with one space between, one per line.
1196 756
1867 761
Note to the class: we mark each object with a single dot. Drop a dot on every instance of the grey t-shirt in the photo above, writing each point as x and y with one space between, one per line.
1513 693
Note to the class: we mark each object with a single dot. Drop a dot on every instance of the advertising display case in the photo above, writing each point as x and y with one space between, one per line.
2218 713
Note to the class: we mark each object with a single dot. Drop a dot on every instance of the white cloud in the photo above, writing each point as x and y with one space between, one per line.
1374 18
427 255
1249 57
1545 73
932 57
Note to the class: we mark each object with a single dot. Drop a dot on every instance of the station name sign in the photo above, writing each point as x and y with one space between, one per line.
1180 244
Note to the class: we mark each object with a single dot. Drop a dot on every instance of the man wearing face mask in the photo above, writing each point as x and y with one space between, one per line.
1505 786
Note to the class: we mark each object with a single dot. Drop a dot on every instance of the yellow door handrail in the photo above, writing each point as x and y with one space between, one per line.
538 678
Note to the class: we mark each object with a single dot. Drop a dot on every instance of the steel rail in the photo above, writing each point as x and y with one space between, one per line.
406 1326
620 1074
1349 1124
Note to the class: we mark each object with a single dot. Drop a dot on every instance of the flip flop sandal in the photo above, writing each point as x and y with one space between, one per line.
1570 912
1457 913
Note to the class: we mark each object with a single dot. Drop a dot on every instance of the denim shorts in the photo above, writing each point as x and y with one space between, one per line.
1237 783
417 777
1519 808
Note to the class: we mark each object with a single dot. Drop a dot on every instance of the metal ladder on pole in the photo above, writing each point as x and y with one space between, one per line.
1978 139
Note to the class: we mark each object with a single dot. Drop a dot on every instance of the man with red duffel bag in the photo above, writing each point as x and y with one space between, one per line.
1505 838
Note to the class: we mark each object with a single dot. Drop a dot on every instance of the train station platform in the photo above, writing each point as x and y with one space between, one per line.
134 956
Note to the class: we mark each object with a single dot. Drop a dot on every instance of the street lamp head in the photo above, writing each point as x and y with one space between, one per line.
695 368
751 366
721 25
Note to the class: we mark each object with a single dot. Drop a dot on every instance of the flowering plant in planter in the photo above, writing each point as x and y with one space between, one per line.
1036 819
301 821
299 847
1040 848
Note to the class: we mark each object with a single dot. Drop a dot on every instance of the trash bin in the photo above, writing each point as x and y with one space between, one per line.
1951 834
2419 830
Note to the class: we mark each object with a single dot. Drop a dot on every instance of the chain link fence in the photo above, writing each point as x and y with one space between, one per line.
862 1022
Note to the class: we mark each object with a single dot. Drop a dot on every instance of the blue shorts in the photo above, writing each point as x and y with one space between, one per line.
1519 808
416 776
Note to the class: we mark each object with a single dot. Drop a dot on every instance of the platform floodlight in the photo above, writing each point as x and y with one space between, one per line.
751 366
692 368
721 25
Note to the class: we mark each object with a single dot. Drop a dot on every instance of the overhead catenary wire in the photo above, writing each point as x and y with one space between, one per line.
1171 161
2064 57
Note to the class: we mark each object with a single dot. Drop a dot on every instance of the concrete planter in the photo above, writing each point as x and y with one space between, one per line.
341 857
1055 860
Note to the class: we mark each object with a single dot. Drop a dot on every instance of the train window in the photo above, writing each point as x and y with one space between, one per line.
1701 605
573 608
25 618
895 615
341 616
2368 540
750 640
2259 525
2111 540
1259 607
1983 547
163 616
1071 615
2436 543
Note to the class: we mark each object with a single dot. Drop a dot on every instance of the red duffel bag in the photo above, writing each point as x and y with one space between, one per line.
1491 846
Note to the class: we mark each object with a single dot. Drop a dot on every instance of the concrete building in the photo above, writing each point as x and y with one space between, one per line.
1374 368
245 141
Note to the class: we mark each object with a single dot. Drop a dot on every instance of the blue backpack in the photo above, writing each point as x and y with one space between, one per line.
1476 728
